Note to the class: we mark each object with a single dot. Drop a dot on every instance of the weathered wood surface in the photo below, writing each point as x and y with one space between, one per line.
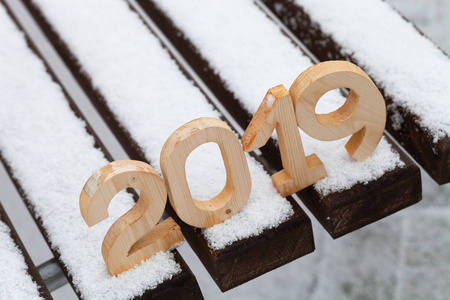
182 286
433 157
251 257
358 194
31 268
229 267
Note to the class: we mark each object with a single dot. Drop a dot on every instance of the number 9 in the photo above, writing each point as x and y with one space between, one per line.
363 114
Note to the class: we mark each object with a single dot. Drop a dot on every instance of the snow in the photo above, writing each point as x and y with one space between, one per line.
408 66
151 104
237 50
405 256
265 209
426 274
51 155
431 262
270 99
15 282
343 172
374 274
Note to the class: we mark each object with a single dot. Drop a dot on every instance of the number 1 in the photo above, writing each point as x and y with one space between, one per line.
276 112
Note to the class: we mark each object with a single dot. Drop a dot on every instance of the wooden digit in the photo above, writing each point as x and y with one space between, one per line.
363 114
276 112
134 236
173 160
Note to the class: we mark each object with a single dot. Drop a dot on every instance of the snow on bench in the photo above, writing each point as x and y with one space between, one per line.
50 155
143 94
240 53
411 71
19 278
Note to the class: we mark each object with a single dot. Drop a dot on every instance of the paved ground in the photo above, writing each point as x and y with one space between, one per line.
431 16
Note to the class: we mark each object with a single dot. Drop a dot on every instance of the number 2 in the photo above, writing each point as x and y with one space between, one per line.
134 236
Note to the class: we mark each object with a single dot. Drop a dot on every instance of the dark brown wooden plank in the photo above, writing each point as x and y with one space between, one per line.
433 157
181 286
31 268
251 257
341 213
237 263
344 211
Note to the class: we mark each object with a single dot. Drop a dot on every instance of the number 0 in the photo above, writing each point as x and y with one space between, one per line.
173 160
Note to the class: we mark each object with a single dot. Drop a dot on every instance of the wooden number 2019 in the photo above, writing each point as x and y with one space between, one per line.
134 236
363 116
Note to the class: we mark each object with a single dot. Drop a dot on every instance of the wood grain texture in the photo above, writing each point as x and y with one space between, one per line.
363 115
173 158
386 187
31 268
135 236
433 157
276 112
304 228
181 286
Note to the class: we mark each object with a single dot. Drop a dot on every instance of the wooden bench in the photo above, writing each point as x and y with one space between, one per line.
392 51
49 158
262 55
144 92
250 245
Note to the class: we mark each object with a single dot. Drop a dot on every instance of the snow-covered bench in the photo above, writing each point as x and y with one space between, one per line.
19 278
239 59
411 71
49 152
144 96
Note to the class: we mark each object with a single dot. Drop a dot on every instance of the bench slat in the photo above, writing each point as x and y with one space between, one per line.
412 73
19 278
49 152
239 60
146 97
